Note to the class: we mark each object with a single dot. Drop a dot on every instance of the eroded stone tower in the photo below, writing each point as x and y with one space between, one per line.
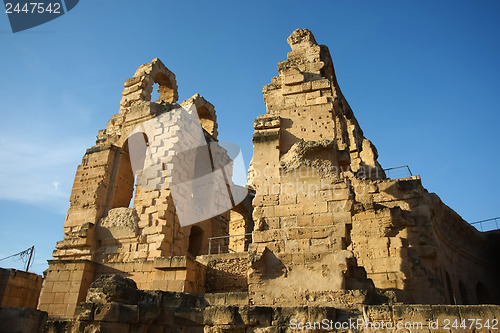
330 226
105 232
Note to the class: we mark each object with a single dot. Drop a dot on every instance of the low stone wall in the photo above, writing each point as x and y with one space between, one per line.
19 288
226 272
67 281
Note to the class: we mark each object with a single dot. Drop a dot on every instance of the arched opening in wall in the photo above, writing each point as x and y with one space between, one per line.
449 289
123 179
206 120
195 241
463 293
132 200
482 294
137 144
155 94
164 88
130 158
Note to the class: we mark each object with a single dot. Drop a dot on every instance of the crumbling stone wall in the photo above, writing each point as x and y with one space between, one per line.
305 148
226 272
419 247
393 240
329 222
108 232
459 245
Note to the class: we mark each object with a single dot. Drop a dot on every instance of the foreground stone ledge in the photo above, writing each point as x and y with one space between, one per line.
115 304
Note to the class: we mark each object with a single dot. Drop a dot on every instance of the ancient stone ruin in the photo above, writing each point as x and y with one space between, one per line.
321 232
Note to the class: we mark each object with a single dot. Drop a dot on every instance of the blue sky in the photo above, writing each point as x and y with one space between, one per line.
421 76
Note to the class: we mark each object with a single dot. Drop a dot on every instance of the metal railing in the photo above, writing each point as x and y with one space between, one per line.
222 243
487 225
388 171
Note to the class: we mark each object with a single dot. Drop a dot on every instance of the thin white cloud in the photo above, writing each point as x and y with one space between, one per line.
39 170
41 148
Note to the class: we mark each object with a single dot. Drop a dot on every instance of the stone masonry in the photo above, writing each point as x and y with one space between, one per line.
321 231
105 232
19 288
114 304
329 223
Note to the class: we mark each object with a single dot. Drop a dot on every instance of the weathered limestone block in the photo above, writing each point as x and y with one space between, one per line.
265 122
112 288
119 223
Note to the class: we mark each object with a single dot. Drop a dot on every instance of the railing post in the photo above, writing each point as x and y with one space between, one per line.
409 171
210 245
489 224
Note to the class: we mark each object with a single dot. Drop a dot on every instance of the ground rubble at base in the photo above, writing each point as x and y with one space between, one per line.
114 304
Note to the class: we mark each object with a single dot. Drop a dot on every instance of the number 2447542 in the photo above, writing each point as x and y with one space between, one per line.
33 8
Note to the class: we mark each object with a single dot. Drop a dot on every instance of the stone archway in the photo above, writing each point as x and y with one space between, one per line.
195 241
140 86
